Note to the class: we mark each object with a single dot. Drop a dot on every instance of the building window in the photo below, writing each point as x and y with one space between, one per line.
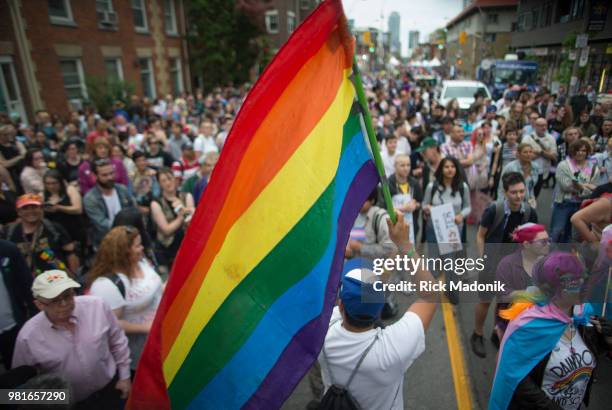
492 18
290 22
535 18
568 10
520 25
72 74
490 37
114 71
60 11
272 21
106 16
546 19
146 77
170 17
304 4
577 9
139 13
176 76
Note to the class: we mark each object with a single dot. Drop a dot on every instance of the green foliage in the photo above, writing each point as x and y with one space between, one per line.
104 92
564 73
222 41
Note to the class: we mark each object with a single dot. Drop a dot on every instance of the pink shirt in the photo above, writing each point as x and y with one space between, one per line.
88 358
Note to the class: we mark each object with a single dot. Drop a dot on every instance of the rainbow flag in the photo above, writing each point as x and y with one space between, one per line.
247 307
528 339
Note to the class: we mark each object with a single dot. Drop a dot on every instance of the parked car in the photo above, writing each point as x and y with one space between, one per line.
463 91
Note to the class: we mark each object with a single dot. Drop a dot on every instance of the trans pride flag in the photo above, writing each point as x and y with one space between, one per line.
248 303
528 339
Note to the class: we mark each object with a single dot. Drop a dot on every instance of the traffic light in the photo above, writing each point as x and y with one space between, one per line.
367 38
372 49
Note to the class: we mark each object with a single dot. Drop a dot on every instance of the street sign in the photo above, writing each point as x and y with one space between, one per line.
584 57
582 40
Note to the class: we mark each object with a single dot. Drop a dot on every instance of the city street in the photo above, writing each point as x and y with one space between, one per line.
448 373
186 184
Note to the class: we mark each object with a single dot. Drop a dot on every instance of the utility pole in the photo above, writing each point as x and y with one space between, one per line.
574 81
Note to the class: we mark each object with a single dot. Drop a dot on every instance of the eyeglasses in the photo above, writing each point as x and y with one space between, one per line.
67 297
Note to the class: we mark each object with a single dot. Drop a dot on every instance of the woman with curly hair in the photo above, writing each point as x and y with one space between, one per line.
128 283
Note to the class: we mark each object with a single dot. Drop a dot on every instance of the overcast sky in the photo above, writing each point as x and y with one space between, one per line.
423 15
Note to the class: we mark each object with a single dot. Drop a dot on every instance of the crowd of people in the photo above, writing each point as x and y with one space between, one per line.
99 204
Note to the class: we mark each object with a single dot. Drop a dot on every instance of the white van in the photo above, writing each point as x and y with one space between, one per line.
463 91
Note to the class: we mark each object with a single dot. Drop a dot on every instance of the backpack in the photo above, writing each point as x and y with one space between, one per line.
339 397
379 214
499 216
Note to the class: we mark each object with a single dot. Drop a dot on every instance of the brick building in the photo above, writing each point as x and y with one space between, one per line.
48 47
283 16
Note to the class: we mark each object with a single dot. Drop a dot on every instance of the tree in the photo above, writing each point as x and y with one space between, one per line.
222 41
105 92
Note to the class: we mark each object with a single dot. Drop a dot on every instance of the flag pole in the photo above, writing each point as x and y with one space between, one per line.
605 301
367 119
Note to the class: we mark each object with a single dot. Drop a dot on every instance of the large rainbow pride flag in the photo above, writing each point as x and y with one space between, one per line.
247 306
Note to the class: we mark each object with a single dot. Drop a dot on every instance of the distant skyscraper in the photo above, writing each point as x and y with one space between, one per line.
413 39
394 31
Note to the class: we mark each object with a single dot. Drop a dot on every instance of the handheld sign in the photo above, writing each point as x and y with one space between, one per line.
447 233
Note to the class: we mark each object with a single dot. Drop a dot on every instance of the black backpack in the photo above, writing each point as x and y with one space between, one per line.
499 216
338 397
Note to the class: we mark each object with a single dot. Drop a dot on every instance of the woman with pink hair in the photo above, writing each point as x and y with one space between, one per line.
515 270
550 349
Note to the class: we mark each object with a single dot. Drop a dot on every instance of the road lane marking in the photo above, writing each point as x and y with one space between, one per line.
463 391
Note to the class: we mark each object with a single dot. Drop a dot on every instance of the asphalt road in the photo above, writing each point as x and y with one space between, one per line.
434 381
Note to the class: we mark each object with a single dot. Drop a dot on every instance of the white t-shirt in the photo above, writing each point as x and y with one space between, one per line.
379 381
112 204
136 141
142 296
388 162
568 373
205 144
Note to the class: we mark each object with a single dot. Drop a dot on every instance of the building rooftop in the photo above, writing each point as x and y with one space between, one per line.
483 4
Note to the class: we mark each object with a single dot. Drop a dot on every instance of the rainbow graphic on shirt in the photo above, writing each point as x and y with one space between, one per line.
575 376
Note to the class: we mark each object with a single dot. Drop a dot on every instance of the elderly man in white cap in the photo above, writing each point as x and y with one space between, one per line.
79 338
